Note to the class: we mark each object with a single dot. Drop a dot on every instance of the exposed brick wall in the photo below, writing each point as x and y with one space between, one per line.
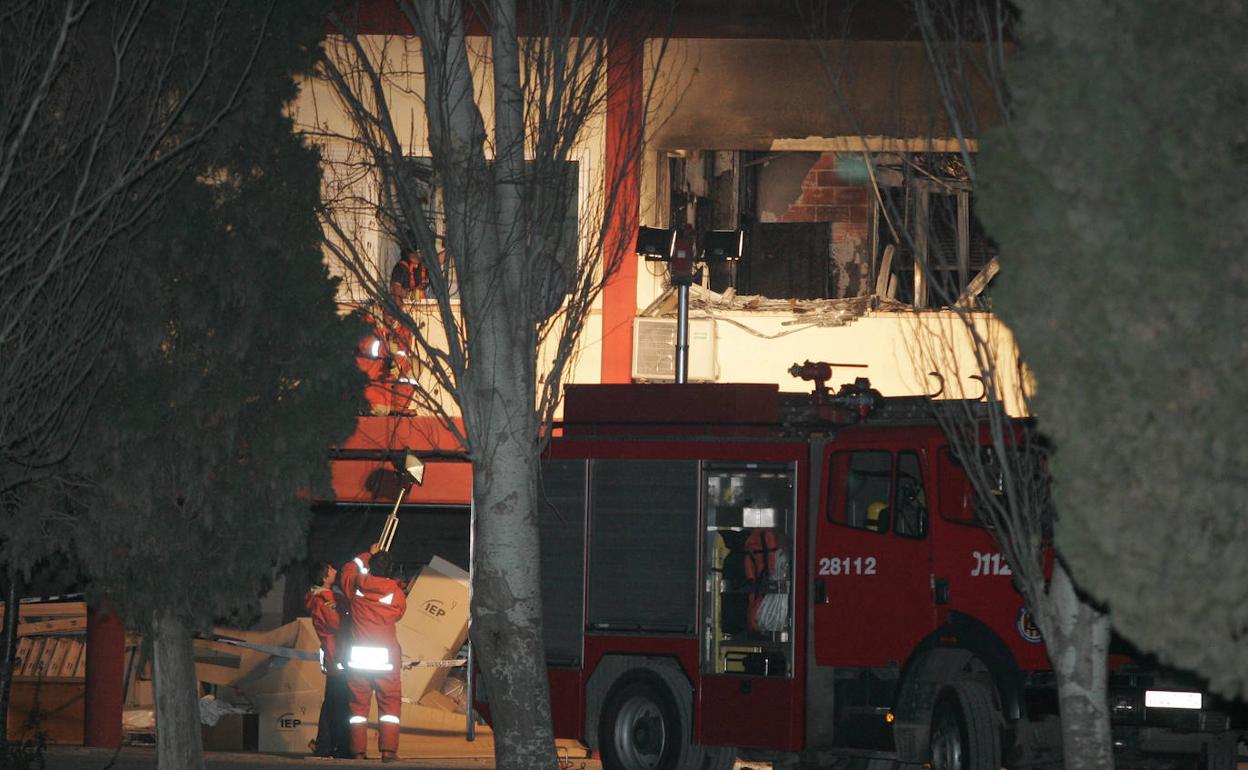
825 197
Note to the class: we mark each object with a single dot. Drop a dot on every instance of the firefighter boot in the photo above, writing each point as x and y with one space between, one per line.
359 737
388 737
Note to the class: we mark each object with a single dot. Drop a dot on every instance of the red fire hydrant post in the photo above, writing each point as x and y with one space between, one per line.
106 655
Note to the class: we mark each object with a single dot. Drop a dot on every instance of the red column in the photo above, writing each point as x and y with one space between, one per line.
106 656
623 166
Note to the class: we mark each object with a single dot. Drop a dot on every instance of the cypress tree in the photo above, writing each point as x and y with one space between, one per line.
233 375
1116 196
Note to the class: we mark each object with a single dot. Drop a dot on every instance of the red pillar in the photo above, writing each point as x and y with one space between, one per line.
625 119
106 655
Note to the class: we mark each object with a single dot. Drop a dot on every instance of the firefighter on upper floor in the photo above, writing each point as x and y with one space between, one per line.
326 605
408 282
408 278
374 659
372 357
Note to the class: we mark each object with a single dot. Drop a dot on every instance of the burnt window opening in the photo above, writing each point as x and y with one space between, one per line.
804 227
926 212
788 260
818 225
412 186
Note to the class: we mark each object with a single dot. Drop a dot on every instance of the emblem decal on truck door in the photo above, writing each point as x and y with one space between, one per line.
1027 627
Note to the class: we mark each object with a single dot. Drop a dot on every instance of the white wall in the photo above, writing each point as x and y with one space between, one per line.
317 112
894 350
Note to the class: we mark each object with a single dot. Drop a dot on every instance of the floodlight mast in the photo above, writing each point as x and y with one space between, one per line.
676 248
661 245
682 278
682 333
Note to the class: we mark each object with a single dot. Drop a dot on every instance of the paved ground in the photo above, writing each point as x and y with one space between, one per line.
434 740
144 758
433 750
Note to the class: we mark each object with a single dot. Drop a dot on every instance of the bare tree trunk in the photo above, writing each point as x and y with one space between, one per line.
506 630
1080 661
11 596
1008 467
179 742
495 228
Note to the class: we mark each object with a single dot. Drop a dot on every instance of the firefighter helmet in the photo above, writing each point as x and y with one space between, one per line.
877 516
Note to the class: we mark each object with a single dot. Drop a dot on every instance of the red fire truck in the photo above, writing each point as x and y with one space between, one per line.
727 572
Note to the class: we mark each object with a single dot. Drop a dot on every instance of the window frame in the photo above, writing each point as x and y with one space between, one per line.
838 489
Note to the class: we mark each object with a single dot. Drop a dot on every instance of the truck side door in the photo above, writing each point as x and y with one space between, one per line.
974 573
872 567
750 681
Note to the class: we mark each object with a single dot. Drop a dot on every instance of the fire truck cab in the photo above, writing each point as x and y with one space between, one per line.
727 571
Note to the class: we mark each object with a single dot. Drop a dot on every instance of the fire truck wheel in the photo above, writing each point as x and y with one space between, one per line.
965 733
640 727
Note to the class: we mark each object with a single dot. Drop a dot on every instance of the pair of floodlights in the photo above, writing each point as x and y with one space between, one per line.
661 245
658 244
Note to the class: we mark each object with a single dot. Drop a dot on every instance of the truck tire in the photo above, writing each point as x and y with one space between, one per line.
966 732
1221 752
643 727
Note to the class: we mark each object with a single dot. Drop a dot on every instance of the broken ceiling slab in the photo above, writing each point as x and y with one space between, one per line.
874 144
807 312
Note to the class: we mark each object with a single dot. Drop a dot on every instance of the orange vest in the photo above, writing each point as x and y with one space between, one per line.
761 549
415 274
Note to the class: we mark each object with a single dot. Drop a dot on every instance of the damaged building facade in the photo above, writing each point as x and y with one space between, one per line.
833 153
837 160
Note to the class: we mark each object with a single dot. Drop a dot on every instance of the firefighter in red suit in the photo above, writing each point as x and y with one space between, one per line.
374 660
332 737
372 356
408 278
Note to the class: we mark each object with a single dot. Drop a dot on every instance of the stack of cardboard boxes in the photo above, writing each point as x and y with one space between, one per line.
278 676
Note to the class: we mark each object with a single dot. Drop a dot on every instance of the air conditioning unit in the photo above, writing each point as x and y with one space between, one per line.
654 349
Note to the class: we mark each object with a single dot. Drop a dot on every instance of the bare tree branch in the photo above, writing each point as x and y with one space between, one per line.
501 187
102 107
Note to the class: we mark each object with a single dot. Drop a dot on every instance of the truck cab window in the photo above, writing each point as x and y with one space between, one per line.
961 502
909 499
748 565
862 480
866 492
957 497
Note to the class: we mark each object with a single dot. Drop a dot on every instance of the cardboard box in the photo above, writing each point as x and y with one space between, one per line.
141 693
435 625
440 701
234 732
286 691
221 663
287 719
